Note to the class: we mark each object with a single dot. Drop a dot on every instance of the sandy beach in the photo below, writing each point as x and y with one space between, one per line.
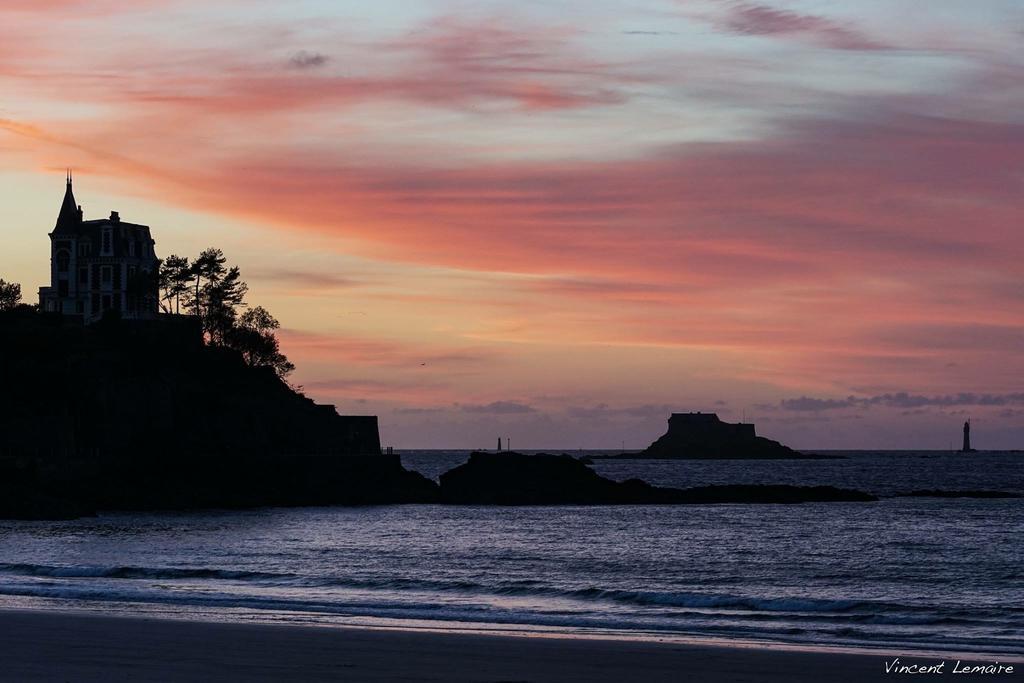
52 646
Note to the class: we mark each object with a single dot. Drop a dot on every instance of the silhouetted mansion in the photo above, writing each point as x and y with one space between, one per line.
99 265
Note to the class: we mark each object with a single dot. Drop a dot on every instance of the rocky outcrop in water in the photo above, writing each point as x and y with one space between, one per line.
703 436
517 479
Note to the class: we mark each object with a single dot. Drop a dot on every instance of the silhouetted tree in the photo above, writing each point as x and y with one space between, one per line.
253 337
218 292
220 300
209 267
10 295
175 277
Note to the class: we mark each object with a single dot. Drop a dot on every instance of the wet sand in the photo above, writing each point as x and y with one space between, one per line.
54 646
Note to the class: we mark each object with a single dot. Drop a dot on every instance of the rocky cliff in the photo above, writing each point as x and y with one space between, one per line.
152 389
144 416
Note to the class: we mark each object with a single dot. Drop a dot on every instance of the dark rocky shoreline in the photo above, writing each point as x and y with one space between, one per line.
516 479
37 489
66 489
97 418
62 489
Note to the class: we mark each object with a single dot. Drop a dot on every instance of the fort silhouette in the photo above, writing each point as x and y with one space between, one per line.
703 436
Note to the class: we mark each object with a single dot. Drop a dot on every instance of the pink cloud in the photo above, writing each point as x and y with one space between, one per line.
305 281
348 388
446 63
763 20
345 349
879 192
731 246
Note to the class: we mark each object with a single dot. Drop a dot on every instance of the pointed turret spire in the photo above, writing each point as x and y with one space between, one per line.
70 218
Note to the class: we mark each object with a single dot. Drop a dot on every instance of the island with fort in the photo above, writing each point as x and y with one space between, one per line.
703 436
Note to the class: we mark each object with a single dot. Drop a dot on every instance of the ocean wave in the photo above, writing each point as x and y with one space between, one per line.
524 588
753 608
711 600
592 595
481 615
94 572
206 573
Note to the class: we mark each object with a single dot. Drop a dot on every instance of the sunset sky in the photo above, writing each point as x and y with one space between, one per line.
560 221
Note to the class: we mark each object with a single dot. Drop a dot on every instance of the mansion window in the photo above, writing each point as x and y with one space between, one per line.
84 249
63 261
131 248
62 288
106 241
107 275
83 276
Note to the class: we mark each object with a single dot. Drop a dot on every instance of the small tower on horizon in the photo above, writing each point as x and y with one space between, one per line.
967 438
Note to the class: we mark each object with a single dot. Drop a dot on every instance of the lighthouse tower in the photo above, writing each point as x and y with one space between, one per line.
967 438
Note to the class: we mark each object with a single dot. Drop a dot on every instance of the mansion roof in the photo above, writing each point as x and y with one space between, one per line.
71 226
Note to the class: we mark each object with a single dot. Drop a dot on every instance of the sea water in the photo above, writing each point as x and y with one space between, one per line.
903 573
